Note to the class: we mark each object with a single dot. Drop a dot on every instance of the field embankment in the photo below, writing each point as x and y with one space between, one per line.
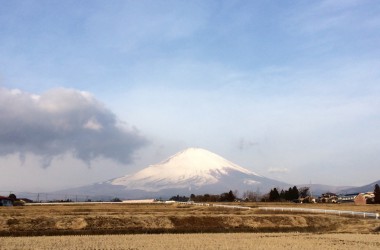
170 218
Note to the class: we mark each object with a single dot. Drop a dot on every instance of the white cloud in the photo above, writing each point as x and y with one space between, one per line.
93 124
251 182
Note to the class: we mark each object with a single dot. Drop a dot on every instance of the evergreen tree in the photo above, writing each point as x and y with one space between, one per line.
283 195
274 195
231 196
192 197
288 194
179 198
12 197
376 192
294 193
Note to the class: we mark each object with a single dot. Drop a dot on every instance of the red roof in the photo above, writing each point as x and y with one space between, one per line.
5 198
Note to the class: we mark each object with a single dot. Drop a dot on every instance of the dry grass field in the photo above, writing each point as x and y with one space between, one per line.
197 241
336 206
175 218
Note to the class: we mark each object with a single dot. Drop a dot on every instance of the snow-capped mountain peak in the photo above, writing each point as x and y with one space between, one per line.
200 160
192 171
192 167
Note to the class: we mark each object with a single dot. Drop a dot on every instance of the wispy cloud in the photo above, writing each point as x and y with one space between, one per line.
246 144
329 15
135 24
278 170
63 121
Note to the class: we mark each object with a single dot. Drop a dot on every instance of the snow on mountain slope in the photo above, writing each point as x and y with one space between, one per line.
192 171
193 167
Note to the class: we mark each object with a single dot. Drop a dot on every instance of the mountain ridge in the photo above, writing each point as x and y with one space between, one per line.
193 171
362 189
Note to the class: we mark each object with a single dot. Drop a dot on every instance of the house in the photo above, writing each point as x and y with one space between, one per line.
26 200
347 198
364 198
5 202
328 198
357 198
360 200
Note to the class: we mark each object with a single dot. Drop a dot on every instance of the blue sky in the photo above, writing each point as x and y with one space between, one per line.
288 89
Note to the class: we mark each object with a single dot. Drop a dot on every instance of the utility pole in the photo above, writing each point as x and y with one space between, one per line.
311 194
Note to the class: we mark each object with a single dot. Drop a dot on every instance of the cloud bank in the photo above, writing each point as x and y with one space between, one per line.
63 121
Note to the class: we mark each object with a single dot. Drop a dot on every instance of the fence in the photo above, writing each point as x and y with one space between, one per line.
70 203
323 211
193 203
230 206
213 205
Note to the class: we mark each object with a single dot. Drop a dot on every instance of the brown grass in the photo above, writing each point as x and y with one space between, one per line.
174 218
341 206
197 241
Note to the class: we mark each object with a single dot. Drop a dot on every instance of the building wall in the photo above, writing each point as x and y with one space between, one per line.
360 200
6 203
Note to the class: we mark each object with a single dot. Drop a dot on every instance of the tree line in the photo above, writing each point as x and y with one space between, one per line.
292 194
224 197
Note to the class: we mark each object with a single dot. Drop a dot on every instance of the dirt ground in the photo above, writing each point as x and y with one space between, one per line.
265 241
174 218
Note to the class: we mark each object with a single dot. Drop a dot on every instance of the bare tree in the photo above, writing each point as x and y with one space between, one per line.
304 192
251 196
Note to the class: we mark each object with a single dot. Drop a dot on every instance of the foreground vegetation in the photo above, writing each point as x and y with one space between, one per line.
198 241
176 218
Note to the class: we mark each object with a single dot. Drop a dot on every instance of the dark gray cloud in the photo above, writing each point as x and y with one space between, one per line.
63 121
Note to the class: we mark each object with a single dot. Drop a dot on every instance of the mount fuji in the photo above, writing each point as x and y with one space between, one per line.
193 170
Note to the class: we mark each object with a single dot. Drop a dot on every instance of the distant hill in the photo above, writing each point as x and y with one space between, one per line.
362 189
319 189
